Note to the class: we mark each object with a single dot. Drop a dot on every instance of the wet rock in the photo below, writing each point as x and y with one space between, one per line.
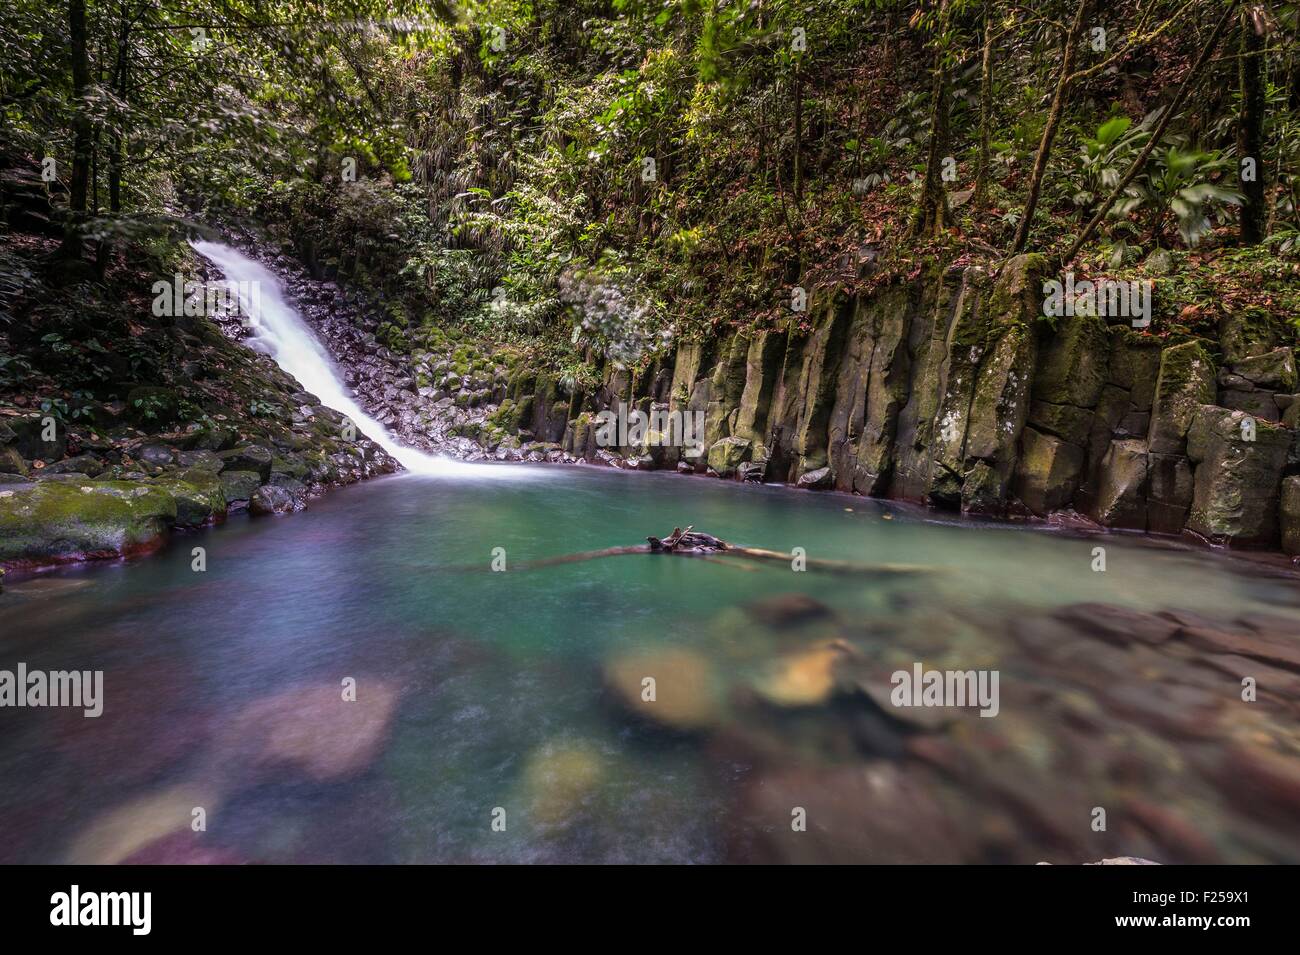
156 455
1262 781
879 814
1072 367
818 479
1169 494
1270 647
197 503
270 499
84 464
202 459
11 462
684 688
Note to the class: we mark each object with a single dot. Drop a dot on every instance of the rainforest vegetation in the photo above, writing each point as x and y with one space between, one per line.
485 165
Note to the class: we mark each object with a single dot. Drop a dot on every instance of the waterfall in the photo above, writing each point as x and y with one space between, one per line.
280 332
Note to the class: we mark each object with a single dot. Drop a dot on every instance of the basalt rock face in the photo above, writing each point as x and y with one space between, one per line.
952 389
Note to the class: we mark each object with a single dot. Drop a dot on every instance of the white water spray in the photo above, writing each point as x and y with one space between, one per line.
280 332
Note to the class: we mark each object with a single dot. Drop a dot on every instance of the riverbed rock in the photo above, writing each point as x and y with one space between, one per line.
312 731
121 832
683 696
1237 481
59 521
560 780
818 479
802 679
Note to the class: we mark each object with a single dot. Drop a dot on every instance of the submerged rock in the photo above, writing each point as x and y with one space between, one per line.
312 731
122 832
560 779
805 679
681 693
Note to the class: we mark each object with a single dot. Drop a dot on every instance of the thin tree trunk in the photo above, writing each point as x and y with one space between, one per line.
1156 136
986 109
932 215
80 179
798 139
1054 115
116 138
1250 132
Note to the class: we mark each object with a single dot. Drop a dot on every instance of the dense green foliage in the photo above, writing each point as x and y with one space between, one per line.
555 175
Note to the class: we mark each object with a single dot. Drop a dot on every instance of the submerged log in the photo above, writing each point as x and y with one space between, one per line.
692 543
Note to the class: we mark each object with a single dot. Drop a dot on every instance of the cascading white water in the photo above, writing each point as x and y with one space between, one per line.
280 332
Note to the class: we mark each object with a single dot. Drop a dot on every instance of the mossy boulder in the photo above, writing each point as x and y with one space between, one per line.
1272 371
1072 365
56 521
198 502
727 454
239 485
1186 382
250 457
1238 476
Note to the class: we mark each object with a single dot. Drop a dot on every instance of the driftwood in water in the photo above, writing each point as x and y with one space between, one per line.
687 541
691 543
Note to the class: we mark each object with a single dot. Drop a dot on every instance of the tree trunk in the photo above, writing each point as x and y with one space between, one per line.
116 137
932 215
1053 123
80 180
798 138
986 109
1250 133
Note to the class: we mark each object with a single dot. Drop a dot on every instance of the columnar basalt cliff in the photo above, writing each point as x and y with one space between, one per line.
952 389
